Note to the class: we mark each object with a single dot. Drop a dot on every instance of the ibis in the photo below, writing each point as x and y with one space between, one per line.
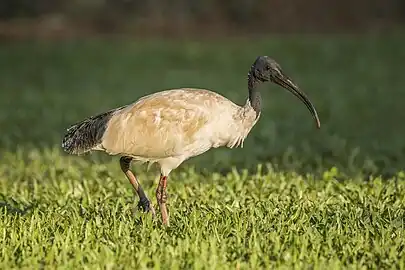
171 126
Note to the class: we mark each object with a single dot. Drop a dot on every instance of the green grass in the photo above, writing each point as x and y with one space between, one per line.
79 214
333 197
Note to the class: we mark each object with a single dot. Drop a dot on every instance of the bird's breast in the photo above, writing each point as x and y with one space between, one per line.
227 130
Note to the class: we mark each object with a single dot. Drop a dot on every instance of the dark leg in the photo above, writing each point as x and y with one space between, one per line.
161 196
144 202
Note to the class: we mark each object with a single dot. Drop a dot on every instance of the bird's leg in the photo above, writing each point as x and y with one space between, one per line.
144 202
161 196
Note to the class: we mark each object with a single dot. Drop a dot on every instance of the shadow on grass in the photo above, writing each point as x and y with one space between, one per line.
12 207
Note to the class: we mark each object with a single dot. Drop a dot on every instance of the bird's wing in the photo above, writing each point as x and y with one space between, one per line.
162 124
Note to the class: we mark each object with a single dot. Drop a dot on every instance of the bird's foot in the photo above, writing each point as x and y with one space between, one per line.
146 206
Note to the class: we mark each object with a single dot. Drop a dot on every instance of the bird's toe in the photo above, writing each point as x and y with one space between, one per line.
146 206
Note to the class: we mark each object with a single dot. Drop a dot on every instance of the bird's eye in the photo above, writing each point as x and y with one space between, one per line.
267 67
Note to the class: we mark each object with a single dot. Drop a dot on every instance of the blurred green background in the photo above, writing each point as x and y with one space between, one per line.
61 62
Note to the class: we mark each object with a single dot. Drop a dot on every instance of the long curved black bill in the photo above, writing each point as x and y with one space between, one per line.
285 82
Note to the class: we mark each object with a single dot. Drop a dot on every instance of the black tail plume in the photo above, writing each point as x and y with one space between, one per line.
87 134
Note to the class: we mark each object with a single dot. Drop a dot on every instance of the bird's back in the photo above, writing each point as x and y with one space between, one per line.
169 123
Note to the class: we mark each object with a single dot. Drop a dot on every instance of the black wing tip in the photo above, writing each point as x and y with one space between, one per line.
68 147
83 136
72 149
69 141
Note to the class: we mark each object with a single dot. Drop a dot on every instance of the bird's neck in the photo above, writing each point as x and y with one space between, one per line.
255 98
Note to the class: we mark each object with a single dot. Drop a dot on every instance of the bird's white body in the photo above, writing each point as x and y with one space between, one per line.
172 126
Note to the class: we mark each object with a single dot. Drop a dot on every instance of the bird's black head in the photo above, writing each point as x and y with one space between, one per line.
266 69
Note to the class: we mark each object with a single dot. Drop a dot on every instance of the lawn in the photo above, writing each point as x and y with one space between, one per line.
292 197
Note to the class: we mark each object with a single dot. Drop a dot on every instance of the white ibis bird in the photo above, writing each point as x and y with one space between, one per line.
171 126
